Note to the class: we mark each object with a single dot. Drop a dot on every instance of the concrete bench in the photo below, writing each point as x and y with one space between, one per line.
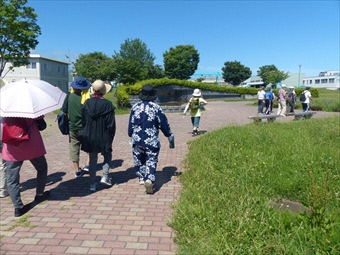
259 118
303 115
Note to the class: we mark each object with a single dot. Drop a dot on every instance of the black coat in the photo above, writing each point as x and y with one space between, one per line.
99 126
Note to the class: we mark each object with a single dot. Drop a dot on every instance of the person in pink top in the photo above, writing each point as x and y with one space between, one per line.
15 154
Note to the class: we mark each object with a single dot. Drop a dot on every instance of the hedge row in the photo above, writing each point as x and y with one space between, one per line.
125 90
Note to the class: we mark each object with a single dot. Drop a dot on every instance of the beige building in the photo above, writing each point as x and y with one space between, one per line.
51 70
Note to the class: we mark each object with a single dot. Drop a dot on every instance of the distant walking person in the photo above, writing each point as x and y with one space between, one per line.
194 105
72 106
268 100
145 121
282 101
308 96
99 129
260 100
291 98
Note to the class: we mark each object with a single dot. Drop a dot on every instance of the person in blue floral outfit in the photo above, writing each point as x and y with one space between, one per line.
146 119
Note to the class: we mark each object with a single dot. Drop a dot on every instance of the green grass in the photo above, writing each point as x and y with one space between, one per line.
234 174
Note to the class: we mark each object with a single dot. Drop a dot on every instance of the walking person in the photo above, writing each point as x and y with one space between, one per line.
3 182
282 101
72 107
291 97
268 100
145 121
308 99
99 129
33 150
194 105
260 100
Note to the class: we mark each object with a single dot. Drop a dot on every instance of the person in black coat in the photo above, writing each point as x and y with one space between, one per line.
99 128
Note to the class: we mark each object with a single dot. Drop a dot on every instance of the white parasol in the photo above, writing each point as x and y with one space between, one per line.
29 99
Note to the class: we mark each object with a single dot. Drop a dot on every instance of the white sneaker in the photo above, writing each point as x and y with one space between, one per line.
106 181
148 187
141 182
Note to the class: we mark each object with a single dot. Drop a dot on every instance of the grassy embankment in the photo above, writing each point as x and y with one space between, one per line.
237 178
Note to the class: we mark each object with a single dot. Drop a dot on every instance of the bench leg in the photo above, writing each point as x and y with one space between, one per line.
257 120
298 117
271 120
308 116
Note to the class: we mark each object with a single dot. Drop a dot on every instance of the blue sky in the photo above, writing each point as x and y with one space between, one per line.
255 33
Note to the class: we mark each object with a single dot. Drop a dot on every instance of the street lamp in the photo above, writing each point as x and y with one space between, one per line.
299 75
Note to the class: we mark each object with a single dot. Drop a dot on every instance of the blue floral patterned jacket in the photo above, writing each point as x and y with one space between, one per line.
146 119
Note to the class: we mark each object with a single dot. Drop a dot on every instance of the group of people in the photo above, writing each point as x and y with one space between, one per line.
286 100
92 128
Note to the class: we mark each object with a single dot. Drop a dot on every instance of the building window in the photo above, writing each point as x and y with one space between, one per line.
64 70
58 69
310 81
303 82
323 80
317 81
331 80
32 65
46 67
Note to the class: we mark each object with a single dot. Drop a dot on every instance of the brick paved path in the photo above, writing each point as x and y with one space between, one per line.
118 220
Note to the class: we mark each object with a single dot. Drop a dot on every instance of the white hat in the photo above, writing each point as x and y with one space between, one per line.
283 85
100 87
291 87
197 93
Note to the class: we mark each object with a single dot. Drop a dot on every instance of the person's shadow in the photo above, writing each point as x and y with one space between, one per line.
164 176
79 187
32 183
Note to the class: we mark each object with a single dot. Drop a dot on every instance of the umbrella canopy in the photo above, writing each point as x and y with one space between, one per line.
29 99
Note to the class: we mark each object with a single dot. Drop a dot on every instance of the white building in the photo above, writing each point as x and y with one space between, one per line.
51 70
256 81
327 79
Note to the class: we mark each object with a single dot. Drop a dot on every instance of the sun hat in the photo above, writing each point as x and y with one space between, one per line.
197 93
148 93
283 85
80 83
100 87
291 87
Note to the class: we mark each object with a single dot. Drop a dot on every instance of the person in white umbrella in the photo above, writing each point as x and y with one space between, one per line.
33 150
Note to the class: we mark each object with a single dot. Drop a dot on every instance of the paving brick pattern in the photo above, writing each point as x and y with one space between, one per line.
121 219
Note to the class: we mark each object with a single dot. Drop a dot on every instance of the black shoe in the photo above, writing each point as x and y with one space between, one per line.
80 173
21 211
43 197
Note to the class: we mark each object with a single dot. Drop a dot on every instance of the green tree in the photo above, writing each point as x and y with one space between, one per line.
96 65
181 62
18 33
135 62
270 74
235 72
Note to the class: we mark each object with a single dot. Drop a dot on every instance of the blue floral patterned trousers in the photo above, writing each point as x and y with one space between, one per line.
145 161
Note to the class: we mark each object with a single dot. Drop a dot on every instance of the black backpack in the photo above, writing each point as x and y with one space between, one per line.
303 97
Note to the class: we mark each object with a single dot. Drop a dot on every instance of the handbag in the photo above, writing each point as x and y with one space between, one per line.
15 130
63 123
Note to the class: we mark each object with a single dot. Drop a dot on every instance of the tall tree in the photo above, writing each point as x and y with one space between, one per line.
18 33
235 72
181 62
270 74
135 62
96 65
